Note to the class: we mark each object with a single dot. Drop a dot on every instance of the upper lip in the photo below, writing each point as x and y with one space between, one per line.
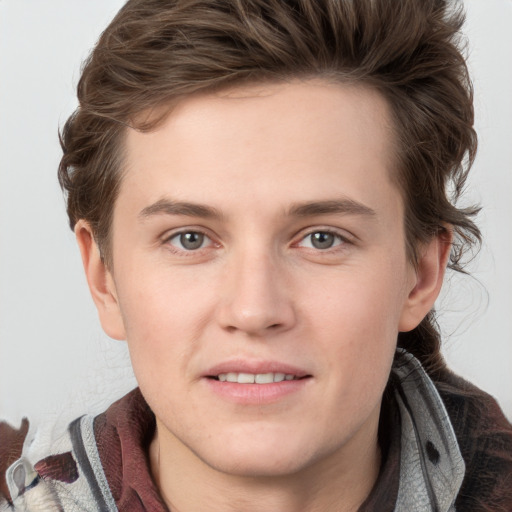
255 367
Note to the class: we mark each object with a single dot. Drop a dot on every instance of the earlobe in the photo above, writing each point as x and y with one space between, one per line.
100 281
428 280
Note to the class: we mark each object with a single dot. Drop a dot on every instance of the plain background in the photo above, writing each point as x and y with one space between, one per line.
55 360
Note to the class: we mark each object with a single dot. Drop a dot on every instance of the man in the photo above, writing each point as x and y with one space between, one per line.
258 190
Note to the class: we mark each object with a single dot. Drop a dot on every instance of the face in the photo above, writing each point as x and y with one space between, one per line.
260 273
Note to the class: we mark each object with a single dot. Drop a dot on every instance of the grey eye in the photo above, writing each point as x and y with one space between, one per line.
322 240
189 241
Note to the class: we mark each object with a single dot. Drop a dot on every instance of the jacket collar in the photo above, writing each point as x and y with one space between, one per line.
431 464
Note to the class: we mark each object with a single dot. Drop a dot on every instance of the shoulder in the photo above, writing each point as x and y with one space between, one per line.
46 469
76 465
485 439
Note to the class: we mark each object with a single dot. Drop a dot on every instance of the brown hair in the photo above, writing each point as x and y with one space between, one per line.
155 52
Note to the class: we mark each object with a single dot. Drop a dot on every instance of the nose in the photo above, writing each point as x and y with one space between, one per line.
256 299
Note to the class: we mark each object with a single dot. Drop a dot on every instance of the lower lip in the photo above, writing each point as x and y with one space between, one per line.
256 394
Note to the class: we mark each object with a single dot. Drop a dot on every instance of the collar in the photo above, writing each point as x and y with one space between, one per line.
431 464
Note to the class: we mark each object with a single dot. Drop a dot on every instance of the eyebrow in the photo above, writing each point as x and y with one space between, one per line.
306 209
343 206
169 207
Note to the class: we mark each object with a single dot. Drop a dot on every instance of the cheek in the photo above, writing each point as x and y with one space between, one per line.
164 314
359 305
356 326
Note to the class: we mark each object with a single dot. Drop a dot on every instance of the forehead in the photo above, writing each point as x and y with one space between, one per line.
286 141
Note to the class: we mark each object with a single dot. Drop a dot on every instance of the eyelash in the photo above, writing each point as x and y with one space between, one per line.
338 244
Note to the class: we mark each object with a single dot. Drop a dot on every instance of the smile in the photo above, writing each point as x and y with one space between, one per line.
252 382
257 387
255 378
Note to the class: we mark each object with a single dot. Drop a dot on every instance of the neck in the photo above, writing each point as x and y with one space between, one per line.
339 482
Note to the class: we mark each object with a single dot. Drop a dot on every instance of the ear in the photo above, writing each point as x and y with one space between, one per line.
427 281
101 282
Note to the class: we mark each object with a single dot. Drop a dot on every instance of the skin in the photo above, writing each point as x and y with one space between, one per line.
259 289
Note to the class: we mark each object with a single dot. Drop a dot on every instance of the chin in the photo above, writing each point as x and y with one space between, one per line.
258 457
256 465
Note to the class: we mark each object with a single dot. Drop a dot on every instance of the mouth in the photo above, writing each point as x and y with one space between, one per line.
250 382
256 378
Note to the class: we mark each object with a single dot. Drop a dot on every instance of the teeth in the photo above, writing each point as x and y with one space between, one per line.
264 378
245 378
251 378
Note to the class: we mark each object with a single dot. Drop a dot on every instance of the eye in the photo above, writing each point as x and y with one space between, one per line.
189 240
321 240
